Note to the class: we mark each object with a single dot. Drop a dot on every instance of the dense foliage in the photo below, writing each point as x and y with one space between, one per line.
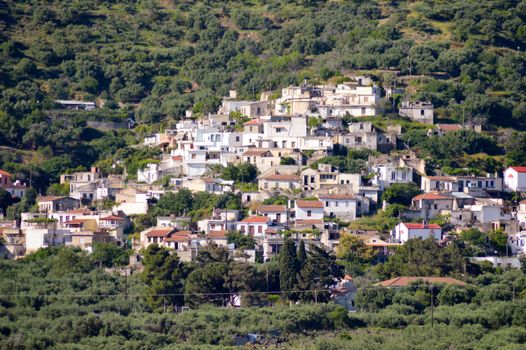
60 298
151 61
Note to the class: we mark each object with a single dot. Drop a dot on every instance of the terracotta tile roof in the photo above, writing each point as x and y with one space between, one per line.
256 219
430 196
272 209
416 225
160 232
180 158
255 152
282 177
112 218
177 238
309 204
218 234
449 127
337 196
5 173
407 281
183 232
209 180
49 198
519 169
253 122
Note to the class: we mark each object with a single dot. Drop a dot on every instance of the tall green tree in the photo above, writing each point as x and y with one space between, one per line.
318 274
163 274
288 263
301 255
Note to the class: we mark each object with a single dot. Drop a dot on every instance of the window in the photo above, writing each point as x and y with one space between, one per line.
309 213
336 204
393 175
403 176
491 184
193 156
326 204
237 138
422 112
366 99
363 110
250 129
260 229
265 185
279 130
276 185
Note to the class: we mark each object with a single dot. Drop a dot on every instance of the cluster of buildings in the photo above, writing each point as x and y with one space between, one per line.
288 140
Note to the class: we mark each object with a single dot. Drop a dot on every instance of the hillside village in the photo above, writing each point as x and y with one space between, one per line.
266 159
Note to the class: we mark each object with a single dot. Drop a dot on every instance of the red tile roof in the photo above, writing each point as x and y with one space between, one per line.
177 238
112 218
272 209
256 219
406 281
177 158
449 127
309 204
253 122
5 173
519 169
218 234
255 152
430 196
414 226
159 232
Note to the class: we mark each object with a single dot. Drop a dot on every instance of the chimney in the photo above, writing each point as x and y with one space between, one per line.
94 170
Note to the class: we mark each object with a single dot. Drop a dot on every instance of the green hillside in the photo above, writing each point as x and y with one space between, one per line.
152 60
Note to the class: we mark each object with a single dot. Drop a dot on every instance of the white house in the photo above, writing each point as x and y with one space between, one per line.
515 179
308 210
517 243
340 205
388 174
276 213
405 231
37 238
17 189
418 111
150 174
255 226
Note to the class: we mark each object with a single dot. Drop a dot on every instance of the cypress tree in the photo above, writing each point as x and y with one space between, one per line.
302 255
288 263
